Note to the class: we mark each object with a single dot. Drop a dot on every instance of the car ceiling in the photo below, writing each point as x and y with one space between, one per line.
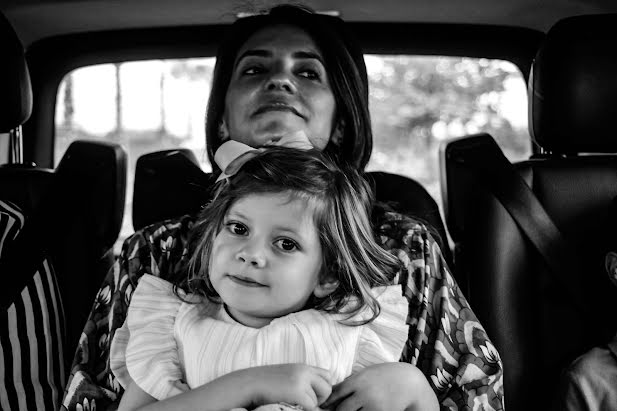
36 19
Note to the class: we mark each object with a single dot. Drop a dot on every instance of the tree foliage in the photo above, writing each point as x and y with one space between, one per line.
417 102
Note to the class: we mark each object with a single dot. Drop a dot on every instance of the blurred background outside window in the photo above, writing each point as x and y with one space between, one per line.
416 103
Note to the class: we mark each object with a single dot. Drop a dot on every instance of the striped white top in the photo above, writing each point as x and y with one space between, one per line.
168 346
32 333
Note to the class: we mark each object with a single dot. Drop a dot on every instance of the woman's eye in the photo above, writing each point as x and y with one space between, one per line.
309 74
286 244
252 70
237 228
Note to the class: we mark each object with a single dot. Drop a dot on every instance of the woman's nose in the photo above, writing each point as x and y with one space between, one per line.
281 81
252 254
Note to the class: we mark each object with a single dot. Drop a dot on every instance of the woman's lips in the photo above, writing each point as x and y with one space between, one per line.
277 107
245 281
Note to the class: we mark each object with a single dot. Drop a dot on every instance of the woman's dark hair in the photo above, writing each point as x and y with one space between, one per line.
340 200
344 63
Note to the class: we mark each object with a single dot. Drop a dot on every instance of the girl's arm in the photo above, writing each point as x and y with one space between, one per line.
292 383
134 398
220 394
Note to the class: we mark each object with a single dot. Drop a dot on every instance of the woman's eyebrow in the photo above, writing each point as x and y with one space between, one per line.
303 54
254 53
308 55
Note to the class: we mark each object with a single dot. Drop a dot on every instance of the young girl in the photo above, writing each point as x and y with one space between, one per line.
289 294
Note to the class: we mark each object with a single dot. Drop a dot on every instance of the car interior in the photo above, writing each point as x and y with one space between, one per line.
525 236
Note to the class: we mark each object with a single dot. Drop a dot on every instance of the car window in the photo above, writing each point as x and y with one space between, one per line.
4 148
416 103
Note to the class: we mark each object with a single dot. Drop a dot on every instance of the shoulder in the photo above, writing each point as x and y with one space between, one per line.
162 235
588 382
393 310
144 349
155 297
384 338
159 248
407 238
587 365
396 229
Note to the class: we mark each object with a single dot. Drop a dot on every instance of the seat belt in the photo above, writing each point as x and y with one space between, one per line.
501 179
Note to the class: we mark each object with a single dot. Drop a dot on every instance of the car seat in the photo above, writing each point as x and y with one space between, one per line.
178 174
57 228
526 309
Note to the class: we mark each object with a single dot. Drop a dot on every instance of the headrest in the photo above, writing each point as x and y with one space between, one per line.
177 174
409 197
91 182
15 88
459 182
573 86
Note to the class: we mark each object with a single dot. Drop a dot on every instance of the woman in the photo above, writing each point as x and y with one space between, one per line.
276 74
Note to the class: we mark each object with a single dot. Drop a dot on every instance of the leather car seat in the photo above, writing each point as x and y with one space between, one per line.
57 230
15 87
524 307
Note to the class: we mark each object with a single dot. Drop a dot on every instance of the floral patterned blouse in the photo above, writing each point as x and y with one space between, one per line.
446 340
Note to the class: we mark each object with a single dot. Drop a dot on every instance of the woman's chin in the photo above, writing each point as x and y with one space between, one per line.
273 135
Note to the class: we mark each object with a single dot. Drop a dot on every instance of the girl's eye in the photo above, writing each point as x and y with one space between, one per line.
237 228
286 244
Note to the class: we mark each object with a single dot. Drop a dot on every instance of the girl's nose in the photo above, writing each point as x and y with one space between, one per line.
253 255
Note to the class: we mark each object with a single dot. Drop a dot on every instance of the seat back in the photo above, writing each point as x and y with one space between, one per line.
178 174
73 216
523 306
87 208
32 375
56 227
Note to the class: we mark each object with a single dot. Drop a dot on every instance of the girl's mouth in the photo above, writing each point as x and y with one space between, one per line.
245 281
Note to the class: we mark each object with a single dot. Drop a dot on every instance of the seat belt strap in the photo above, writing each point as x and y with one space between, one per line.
501 179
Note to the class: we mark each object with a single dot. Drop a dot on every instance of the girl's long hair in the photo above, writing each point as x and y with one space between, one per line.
341 202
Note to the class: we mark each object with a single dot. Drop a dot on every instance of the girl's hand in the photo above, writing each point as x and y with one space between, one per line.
384 387
296 384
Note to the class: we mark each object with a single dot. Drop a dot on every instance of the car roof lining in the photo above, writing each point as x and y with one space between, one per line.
37 19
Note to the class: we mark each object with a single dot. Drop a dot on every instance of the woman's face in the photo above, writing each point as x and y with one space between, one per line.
279 85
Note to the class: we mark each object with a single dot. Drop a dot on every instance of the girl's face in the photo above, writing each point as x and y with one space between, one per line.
267 259
279 85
